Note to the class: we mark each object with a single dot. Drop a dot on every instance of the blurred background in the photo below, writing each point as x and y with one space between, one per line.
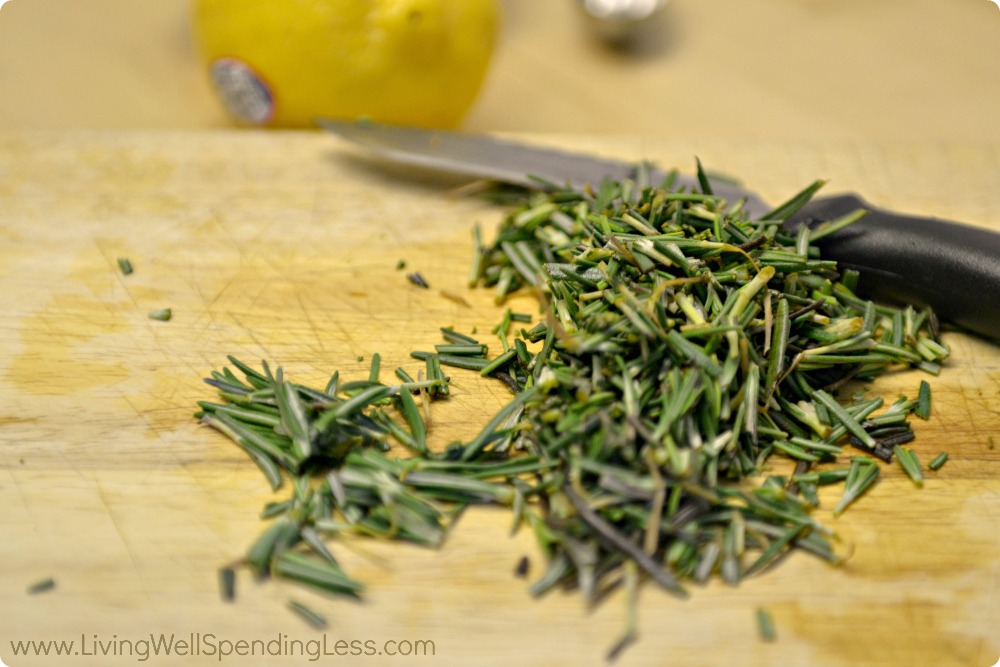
787 70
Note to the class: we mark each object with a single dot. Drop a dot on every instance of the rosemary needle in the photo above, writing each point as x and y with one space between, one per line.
765 625
938 461
910 464
310 616
923 408
227 583
862 475
42 586
417 280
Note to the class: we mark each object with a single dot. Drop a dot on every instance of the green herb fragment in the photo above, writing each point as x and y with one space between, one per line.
457 338
318 573
778 347
844 417
42 586
938 461
631 634
703 182
765 625
125 266
498 363
414 420
824 477
162 315
282 534
862 474
401 374
802 198
308 615
227 584
910 464
462 349
400 265
459 361
923 408
417 280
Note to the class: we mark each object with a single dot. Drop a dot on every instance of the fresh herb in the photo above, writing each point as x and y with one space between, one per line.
910 464
307 614
124 265
860 477
681 347
417 280
938 461
227 584
923 409
457 338
765 625
41 586
162 315
462 349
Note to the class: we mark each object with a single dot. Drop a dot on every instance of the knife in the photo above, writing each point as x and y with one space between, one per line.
953 268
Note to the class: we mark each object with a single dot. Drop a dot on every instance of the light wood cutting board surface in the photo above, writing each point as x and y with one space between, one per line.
283 246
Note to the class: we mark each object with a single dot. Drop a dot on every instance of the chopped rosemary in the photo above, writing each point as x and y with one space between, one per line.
938 461
417 280
910 464
162 314
765 625
42 586
125 266
862 474
227 583
680 347
307 614
923 409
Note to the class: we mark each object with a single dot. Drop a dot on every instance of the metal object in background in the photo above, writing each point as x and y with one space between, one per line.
616 21
622 10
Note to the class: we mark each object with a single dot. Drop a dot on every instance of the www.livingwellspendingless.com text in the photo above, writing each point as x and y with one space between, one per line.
143 648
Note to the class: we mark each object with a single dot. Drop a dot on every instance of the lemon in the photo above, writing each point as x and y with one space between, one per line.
283 63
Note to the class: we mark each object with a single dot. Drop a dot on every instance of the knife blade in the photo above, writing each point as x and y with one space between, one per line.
954 268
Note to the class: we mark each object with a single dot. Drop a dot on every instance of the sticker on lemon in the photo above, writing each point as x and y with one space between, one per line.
283 63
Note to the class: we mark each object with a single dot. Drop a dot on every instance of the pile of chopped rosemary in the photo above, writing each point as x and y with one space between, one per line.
674 410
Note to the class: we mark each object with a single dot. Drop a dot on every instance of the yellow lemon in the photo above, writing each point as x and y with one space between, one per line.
283 63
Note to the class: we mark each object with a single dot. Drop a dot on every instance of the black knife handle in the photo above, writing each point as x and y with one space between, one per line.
951 267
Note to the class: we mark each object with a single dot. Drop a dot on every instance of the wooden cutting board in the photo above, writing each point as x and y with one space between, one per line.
284 246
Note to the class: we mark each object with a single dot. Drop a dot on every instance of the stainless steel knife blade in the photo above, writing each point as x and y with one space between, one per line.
497 159
951 267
